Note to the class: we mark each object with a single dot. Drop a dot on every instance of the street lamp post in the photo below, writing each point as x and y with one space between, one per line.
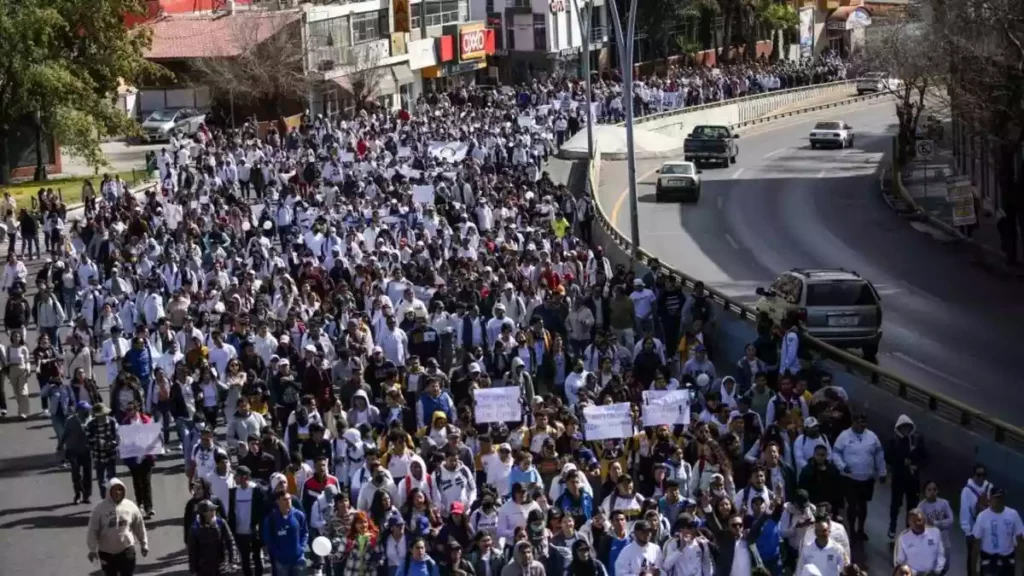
625 42
584 16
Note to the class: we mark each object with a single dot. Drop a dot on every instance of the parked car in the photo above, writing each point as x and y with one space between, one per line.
878 82
835 305
160 125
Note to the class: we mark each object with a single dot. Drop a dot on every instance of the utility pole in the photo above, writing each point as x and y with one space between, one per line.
626 60
584 15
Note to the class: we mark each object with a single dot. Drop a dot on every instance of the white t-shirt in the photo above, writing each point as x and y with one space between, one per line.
998 531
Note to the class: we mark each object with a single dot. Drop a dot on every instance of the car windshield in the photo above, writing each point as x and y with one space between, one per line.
678 169
710 132
162 115
845 293
828 126
874 75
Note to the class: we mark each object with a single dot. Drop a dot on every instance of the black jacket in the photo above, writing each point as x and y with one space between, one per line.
904 450
211 548
823 485
256 515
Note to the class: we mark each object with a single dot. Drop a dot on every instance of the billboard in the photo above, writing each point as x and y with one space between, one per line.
806 32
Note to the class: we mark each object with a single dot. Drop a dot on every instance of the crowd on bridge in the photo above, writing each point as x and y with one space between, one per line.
317 316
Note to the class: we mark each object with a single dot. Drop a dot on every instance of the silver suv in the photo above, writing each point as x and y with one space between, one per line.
834 305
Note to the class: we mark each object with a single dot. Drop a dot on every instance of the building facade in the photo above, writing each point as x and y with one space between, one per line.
542 36
836 25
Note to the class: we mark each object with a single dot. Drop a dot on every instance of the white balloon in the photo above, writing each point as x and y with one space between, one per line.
702 380
246 226
321 546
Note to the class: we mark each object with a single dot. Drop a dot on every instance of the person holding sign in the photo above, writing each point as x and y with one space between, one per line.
141 467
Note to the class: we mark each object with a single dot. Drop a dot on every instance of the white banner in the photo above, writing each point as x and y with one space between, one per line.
608 421
423 194
500 404
450 151
138 440
669 407
525 121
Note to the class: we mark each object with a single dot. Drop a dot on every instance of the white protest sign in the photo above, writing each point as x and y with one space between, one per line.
405 152
669 407
346 157
139 440
525 121
500 404
606 422
423 194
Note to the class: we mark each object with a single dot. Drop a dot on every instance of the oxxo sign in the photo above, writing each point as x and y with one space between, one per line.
558 6
472 44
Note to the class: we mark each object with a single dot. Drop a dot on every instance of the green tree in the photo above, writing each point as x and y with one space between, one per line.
661 21
61 61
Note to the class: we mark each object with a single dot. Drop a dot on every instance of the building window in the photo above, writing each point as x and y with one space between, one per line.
365 27
540 32
440 12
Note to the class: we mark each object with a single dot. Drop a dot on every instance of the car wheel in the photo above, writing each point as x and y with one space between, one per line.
732 159
814 145
870 352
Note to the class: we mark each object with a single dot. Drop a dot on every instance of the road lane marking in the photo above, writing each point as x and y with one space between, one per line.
731 241
781 124
775 153
737 173
625 194
933 371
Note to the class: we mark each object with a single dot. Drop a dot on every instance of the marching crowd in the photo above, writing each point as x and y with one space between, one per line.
309 315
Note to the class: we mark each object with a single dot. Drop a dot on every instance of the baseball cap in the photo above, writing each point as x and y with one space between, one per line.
458 508
811 422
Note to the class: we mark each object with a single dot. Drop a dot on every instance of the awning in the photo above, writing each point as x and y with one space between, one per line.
386 86
403 74
849 18
343 82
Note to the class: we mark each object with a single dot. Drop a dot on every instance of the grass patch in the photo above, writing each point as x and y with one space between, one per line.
70 187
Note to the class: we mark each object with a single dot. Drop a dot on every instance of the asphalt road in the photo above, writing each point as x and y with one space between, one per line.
949 324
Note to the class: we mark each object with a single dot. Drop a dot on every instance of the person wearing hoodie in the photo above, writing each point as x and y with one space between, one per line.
973 500
201 490
641 556
690 553
432 401
523 562
116 526
380 481
362 412
211 546
418 477
906 454
455 481
575 501
519 376
349 453
859 456
243 424
285 535
514 512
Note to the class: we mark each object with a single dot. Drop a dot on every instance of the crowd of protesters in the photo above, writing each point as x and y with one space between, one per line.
310 313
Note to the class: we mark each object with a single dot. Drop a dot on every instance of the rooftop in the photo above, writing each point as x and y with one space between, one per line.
214 35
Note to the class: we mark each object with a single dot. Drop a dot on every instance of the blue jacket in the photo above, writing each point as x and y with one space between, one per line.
425 567
429 405
285 537
768 540
584 506
517 476
140 363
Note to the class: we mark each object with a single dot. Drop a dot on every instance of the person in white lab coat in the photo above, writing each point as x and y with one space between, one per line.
393 341
824 553
114 349
920 547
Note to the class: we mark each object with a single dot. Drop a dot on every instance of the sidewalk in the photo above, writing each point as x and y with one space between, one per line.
925 184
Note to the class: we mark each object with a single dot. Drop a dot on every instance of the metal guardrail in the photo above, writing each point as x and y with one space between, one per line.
937 403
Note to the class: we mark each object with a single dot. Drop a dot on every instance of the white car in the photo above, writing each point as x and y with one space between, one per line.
678 180
834 134
878 82
160 125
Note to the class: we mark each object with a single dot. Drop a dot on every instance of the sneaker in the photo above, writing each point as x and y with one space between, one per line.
77 499
3 413
150 514
86 500
23 416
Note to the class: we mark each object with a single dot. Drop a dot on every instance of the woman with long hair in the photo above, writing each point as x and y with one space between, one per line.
381 508
394 546
416 506
359 555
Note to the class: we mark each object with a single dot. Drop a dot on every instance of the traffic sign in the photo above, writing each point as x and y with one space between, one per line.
925 149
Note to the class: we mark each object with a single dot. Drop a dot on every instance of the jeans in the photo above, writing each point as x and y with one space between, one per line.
285 570
902 488
27 242
81 474
58 420
68 298
121 564
104 472
186 434
249 554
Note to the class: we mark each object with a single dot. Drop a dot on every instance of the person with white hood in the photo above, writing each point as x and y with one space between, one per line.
558 484
514 512
380 481
824 553
349 453
973 499
860 458
365 474
641 556
362 412
418 477
803 448
498 468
